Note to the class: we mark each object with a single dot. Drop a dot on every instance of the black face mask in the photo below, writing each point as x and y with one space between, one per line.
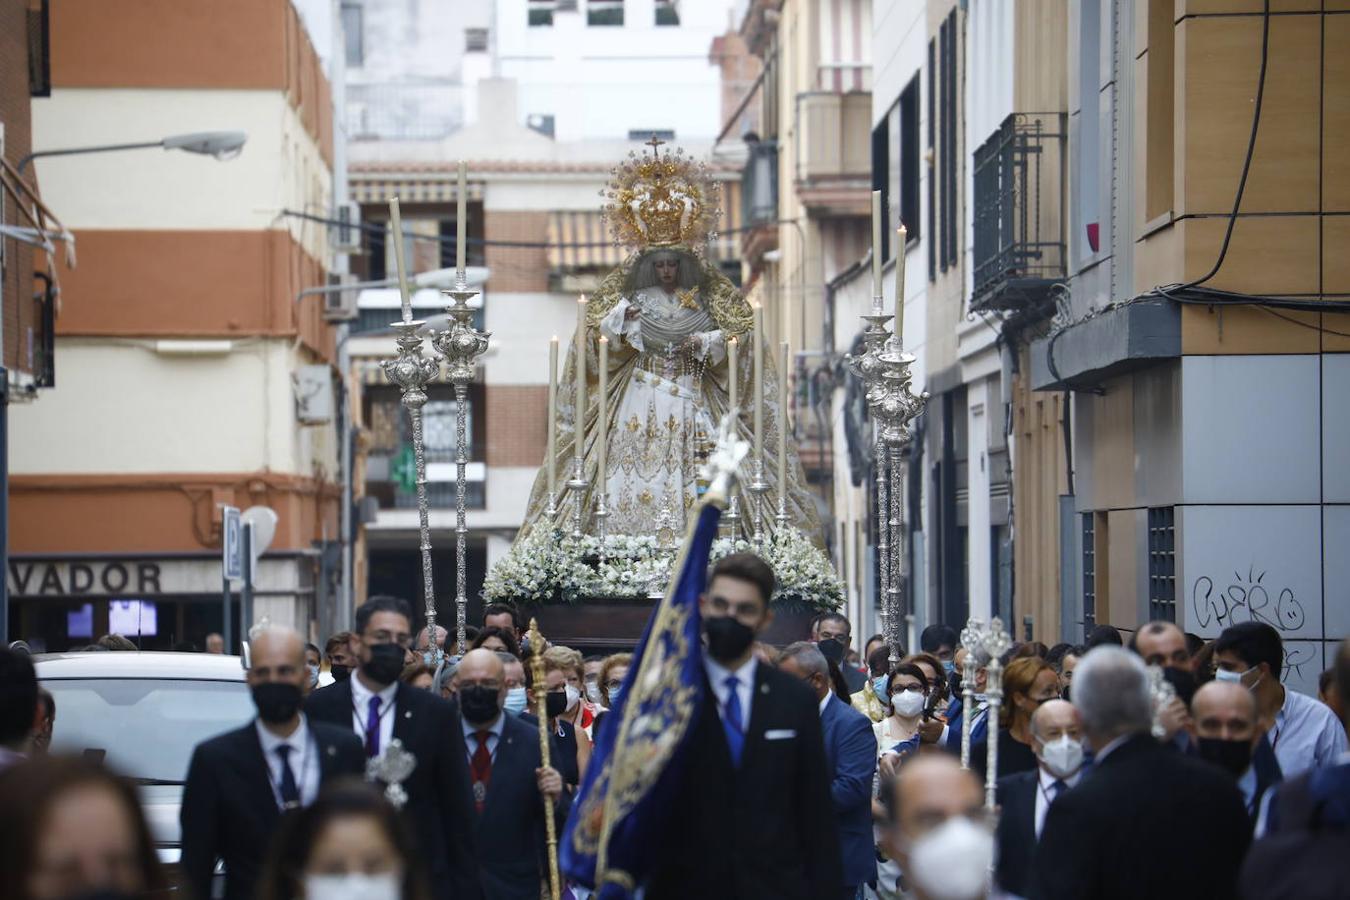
1235 757
277 701
727 638
479 704
385 663
339 673
555 703
1064 694
954 683
832 650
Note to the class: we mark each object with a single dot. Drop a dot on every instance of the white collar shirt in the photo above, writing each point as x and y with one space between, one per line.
494 736
825 701
361 709
1045 793
303 760
1306 735
745 686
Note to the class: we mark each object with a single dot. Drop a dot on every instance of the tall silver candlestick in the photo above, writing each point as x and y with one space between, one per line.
972 639
411 371
461 345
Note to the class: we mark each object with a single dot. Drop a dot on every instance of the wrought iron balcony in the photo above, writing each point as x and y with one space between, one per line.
1018 217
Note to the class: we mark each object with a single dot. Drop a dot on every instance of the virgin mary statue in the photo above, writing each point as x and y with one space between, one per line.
669 317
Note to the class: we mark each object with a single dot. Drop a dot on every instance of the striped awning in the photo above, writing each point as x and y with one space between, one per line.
579 239
410 189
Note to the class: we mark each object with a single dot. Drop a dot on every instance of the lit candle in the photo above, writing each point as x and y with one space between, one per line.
757 348
876 250
782 420
733 374
602 416
551 462
580 420
404 291
900 236
461 215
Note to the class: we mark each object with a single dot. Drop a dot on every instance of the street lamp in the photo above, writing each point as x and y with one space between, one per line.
222 145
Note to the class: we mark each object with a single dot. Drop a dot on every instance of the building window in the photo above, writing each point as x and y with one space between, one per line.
39 49
1162 564
907 176
881 153
541 13
646 134
604 12
1089 572
667 12
948 160
932 156
391 473
475 40
353 35
1087 151
1158 136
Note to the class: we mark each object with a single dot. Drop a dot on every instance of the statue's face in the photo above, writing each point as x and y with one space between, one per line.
667 269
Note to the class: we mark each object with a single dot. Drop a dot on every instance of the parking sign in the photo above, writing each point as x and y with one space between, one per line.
232 544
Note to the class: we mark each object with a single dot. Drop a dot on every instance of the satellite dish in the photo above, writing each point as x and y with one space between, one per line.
264 522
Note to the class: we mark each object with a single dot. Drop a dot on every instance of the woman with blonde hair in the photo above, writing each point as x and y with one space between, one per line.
1027 683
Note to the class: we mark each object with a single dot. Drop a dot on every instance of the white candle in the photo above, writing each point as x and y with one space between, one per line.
551 462
733 375
757 348
900 236
782 420
580 423
602 415
876 247
405 293
461 215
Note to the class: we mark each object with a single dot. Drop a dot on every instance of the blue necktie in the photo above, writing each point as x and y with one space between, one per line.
1057 787
373 728
290 793
731 721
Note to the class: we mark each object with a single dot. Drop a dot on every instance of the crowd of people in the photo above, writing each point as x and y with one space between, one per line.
812 771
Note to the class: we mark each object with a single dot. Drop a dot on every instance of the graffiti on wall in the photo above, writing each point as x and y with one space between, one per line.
1245 599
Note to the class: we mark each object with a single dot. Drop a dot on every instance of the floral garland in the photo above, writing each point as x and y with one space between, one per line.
550 566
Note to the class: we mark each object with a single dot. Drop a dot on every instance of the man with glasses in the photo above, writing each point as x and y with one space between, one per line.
381 709
1305 733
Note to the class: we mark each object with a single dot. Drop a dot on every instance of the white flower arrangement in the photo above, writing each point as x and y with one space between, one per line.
550 566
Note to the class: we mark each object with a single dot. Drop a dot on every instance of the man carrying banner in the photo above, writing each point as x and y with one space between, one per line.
709 777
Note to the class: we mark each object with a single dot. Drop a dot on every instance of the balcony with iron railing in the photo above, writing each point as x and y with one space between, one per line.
1018 221
759 200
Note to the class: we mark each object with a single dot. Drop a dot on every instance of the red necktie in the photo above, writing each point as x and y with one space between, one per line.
481 767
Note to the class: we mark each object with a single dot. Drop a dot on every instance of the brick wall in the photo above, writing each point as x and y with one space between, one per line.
517 269
517 419
15 105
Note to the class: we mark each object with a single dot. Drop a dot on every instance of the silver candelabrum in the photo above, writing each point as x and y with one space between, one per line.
460 345
412 371
985 644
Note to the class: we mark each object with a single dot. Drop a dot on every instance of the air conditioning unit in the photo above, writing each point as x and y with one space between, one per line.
344 234
340 305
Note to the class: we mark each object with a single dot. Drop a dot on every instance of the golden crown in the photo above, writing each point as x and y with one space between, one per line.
661 200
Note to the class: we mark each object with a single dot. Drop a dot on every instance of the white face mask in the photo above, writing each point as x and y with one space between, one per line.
1062 756
353 887
907 703
1235 677
593 692
952 861
573 698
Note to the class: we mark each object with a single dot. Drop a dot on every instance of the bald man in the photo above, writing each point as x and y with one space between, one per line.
1025 797
937 815
509 783
1228 732
240 782
1162 644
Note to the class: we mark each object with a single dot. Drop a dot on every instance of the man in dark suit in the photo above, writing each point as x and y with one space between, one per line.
833 626
240 783
379 709
1024 798
1226 731
753 816
851 756
1118 833
509 783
